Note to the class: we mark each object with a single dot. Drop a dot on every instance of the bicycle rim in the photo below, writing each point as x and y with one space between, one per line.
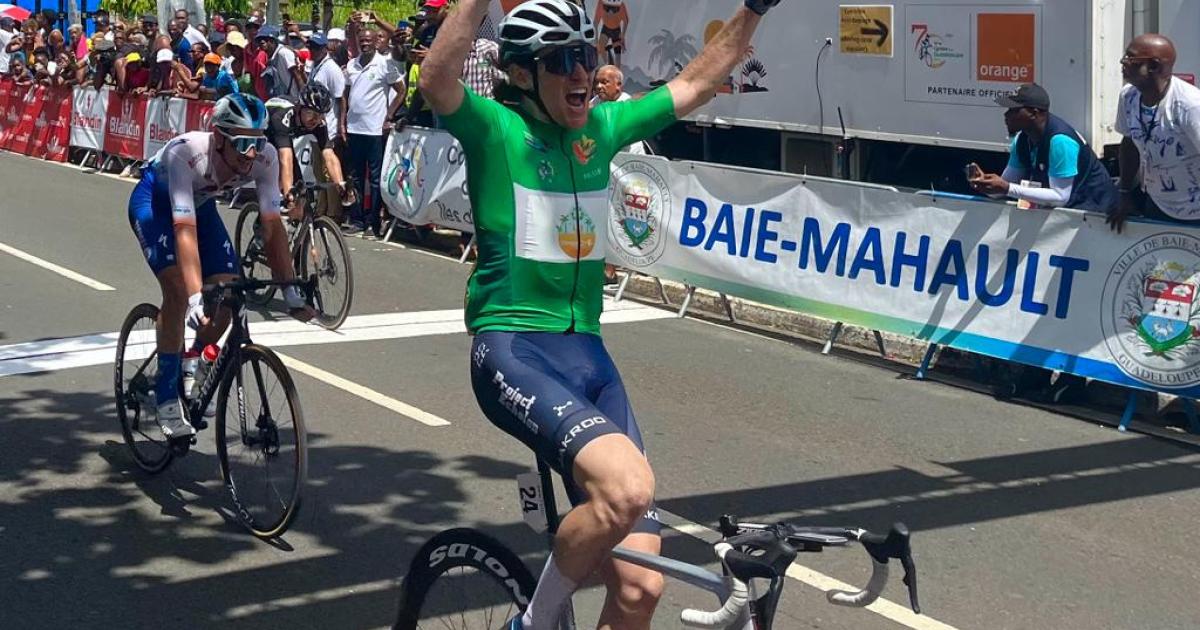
134 374
261 442
462 579
252 254
326 256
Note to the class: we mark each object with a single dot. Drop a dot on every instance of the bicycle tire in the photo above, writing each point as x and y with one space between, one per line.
330 235
249 262
462 548
290 498
152 456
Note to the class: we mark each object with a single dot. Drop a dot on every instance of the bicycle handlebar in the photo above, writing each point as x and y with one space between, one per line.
895 545
212 293
732 608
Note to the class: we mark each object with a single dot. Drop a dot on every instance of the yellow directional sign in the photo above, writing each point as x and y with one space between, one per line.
866 29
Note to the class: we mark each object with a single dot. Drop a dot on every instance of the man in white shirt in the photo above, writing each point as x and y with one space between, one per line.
610 87
7 32
374 89
326 72
1159 115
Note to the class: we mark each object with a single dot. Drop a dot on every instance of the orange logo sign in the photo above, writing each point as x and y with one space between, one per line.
1007 47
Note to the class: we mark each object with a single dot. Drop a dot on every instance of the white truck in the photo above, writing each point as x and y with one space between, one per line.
912 74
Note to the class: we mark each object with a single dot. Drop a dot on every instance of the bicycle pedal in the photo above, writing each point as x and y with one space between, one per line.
199 425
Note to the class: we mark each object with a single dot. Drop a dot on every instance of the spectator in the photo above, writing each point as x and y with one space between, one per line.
102 62
481 71
1049 152
337 47
150 25
8 35
30 40
256 58
326 72
283 75
77 43
373 79
103 23
1063 172
55 43
211 81
42 66
235 52
1159 115
133 76
45 22
417 110
17 69
181 46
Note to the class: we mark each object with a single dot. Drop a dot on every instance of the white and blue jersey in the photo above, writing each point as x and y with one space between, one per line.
179 186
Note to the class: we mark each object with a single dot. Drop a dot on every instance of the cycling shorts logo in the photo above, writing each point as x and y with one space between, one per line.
641 205
1151 321
584 425
512 400
481 352
576 234
584 148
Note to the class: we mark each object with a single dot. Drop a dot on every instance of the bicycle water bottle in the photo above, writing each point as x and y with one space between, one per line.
203 368
188 365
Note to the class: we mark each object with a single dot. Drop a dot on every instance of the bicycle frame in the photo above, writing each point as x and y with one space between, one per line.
718 585
230 354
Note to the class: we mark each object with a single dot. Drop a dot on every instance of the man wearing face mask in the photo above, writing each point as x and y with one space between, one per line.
371 81
538 179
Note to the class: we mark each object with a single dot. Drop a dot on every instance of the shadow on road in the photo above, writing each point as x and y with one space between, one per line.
83 552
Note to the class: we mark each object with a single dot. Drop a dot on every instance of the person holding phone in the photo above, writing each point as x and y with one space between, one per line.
1050 165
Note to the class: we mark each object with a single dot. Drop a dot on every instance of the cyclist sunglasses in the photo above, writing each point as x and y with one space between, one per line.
562 60
243 144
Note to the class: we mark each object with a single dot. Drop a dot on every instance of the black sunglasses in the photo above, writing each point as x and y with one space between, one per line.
562 60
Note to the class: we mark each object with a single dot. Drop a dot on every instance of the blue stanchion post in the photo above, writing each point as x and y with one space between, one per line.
923 369
1189 409
1130 409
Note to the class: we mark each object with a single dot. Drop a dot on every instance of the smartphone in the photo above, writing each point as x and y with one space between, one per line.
972 171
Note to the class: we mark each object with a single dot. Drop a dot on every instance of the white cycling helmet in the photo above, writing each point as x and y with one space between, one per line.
538 24
239 111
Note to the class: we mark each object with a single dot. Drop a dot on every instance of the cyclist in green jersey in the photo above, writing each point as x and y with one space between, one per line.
538 174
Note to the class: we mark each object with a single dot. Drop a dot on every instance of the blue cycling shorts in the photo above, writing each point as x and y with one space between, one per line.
555 393
150 218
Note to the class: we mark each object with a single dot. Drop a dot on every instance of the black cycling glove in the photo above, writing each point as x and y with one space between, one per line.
760 6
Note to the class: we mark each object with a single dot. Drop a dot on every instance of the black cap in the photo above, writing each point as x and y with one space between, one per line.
153 19
1028 95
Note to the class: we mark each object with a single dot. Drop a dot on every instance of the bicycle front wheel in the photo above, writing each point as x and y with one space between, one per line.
463 578
250 242
134 375
324 254
261 442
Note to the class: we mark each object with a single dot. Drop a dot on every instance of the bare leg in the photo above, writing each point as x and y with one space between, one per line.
633 591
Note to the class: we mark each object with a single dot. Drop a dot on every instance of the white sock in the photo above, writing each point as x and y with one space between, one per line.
550 597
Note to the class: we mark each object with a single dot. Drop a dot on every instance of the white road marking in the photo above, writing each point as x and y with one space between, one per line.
49 266
86 350
366 393
895 612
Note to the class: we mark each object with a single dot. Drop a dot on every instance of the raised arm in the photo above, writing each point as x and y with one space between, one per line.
442 68
698 82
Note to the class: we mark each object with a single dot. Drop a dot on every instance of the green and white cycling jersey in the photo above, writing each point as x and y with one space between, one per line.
539 197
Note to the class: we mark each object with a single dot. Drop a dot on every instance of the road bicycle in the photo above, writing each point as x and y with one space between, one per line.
463 578
260 435
317 247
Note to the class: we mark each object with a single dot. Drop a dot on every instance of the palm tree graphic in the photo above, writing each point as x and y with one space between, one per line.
671 51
